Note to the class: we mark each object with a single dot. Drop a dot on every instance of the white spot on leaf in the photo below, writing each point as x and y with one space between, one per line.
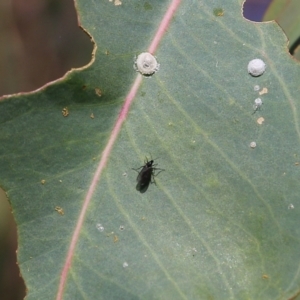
256 67
146 64
257 104
100 227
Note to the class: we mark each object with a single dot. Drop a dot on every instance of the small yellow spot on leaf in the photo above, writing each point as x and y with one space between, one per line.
43 181
92 116
218 12
116 239
118 2
297 163
260 120
98 92
59 210
265 276
263 91
65 112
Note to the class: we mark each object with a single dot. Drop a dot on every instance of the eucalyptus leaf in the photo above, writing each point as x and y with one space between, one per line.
222 220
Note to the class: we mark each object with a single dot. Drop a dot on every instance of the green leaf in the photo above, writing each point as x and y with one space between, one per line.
222 221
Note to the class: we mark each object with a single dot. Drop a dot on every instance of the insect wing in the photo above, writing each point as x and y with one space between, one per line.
144 178
142 188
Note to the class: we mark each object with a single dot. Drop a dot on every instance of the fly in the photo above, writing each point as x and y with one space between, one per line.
146 175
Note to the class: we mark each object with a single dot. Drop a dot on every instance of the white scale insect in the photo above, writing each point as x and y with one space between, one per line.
257 104
146 64
256 67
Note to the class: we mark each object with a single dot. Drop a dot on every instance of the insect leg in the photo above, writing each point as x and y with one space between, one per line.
153 174
137 170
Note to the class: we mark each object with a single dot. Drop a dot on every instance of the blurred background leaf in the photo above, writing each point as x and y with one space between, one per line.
39 42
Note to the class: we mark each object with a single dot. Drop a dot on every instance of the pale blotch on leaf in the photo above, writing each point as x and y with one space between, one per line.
43 181
116 2
291 206
125 264
256 88
260 120
65 112
263 91
252 145
98 92
256 67
59 210
146 64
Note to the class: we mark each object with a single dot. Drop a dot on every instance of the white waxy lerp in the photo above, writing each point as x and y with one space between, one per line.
257 104
256 67
146 64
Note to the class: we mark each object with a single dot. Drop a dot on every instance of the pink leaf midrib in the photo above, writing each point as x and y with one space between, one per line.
114 134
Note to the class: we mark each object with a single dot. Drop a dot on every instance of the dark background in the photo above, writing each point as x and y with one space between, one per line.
39 42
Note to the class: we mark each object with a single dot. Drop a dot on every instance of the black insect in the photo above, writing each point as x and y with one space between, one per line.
146 175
